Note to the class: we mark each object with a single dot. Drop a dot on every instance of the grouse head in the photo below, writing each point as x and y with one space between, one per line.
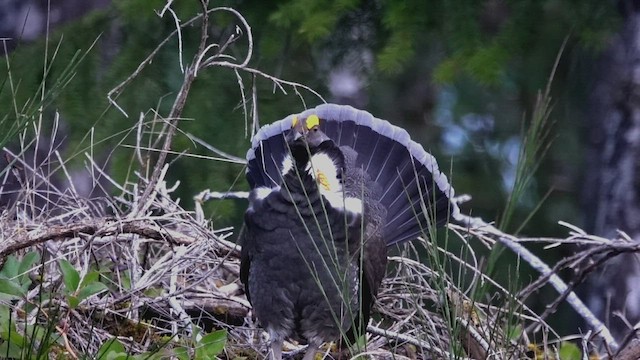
307 130
314 153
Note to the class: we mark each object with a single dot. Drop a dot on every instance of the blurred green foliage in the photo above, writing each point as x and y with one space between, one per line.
438 67
461 76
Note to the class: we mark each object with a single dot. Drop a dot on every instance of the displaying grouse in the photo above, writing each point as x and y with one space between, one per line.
332 188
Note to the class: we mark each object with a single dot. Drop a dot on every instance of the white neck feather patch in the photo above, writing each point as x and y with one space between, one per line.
287 164
325 172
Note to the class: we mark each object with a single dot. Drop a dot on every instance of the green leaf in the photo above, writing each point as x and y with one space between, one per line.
181 353
570 351
6 324
91 289
11 287
157 355
73 301
27 263
70 275
10 268
110 350
9 350
12 335
91 277
125 280
211 345
26 285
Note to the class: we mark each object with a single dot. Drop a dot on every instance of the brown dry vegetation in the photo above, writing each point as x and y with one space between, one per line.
169 276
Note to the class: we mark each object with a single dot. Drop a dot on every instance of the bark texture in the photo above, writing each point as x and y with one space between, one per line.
612 183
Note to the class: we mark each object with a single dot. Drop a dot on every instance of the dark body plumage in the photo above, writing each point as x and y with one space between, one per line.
327 200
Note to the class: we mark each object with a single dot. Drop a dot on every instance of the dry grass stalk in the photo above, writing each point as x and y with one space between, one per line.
170 274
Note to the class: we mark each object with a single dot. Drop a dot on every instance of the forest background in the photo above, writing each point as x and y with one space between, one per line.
463 77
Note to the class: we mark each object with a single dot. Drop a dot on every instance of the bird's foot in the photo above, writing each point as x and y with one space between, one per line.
312 349
276 349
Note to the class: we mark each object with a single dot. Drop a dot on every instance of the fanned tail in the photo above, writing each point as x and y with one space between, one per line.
414 192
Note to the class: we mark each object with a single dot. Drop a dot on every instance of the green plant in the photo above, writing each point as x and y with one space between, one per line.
22 336
207 347
14 276
78 289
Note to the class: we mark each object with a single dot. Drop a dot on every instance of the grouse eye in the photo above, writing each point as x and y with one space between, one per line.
315 129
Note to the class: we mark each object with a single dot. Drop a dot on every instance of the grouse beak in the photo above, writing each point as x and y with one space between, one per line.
293 135
297 131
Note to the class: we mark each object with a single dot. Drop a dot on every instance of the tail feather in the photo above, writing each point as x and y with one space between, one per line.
415 193
265 157
260 172
404 225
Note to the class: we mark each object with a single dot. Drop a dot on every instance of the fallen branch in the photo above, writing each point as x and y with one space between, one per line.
17 237
474 224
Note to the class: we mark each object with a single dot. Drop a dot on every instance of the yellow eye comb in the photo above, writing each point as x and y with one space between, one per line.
312 120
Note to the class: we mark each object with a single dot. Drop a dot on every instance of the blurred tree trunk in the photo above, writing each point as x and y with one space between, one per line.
26 20
612 186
